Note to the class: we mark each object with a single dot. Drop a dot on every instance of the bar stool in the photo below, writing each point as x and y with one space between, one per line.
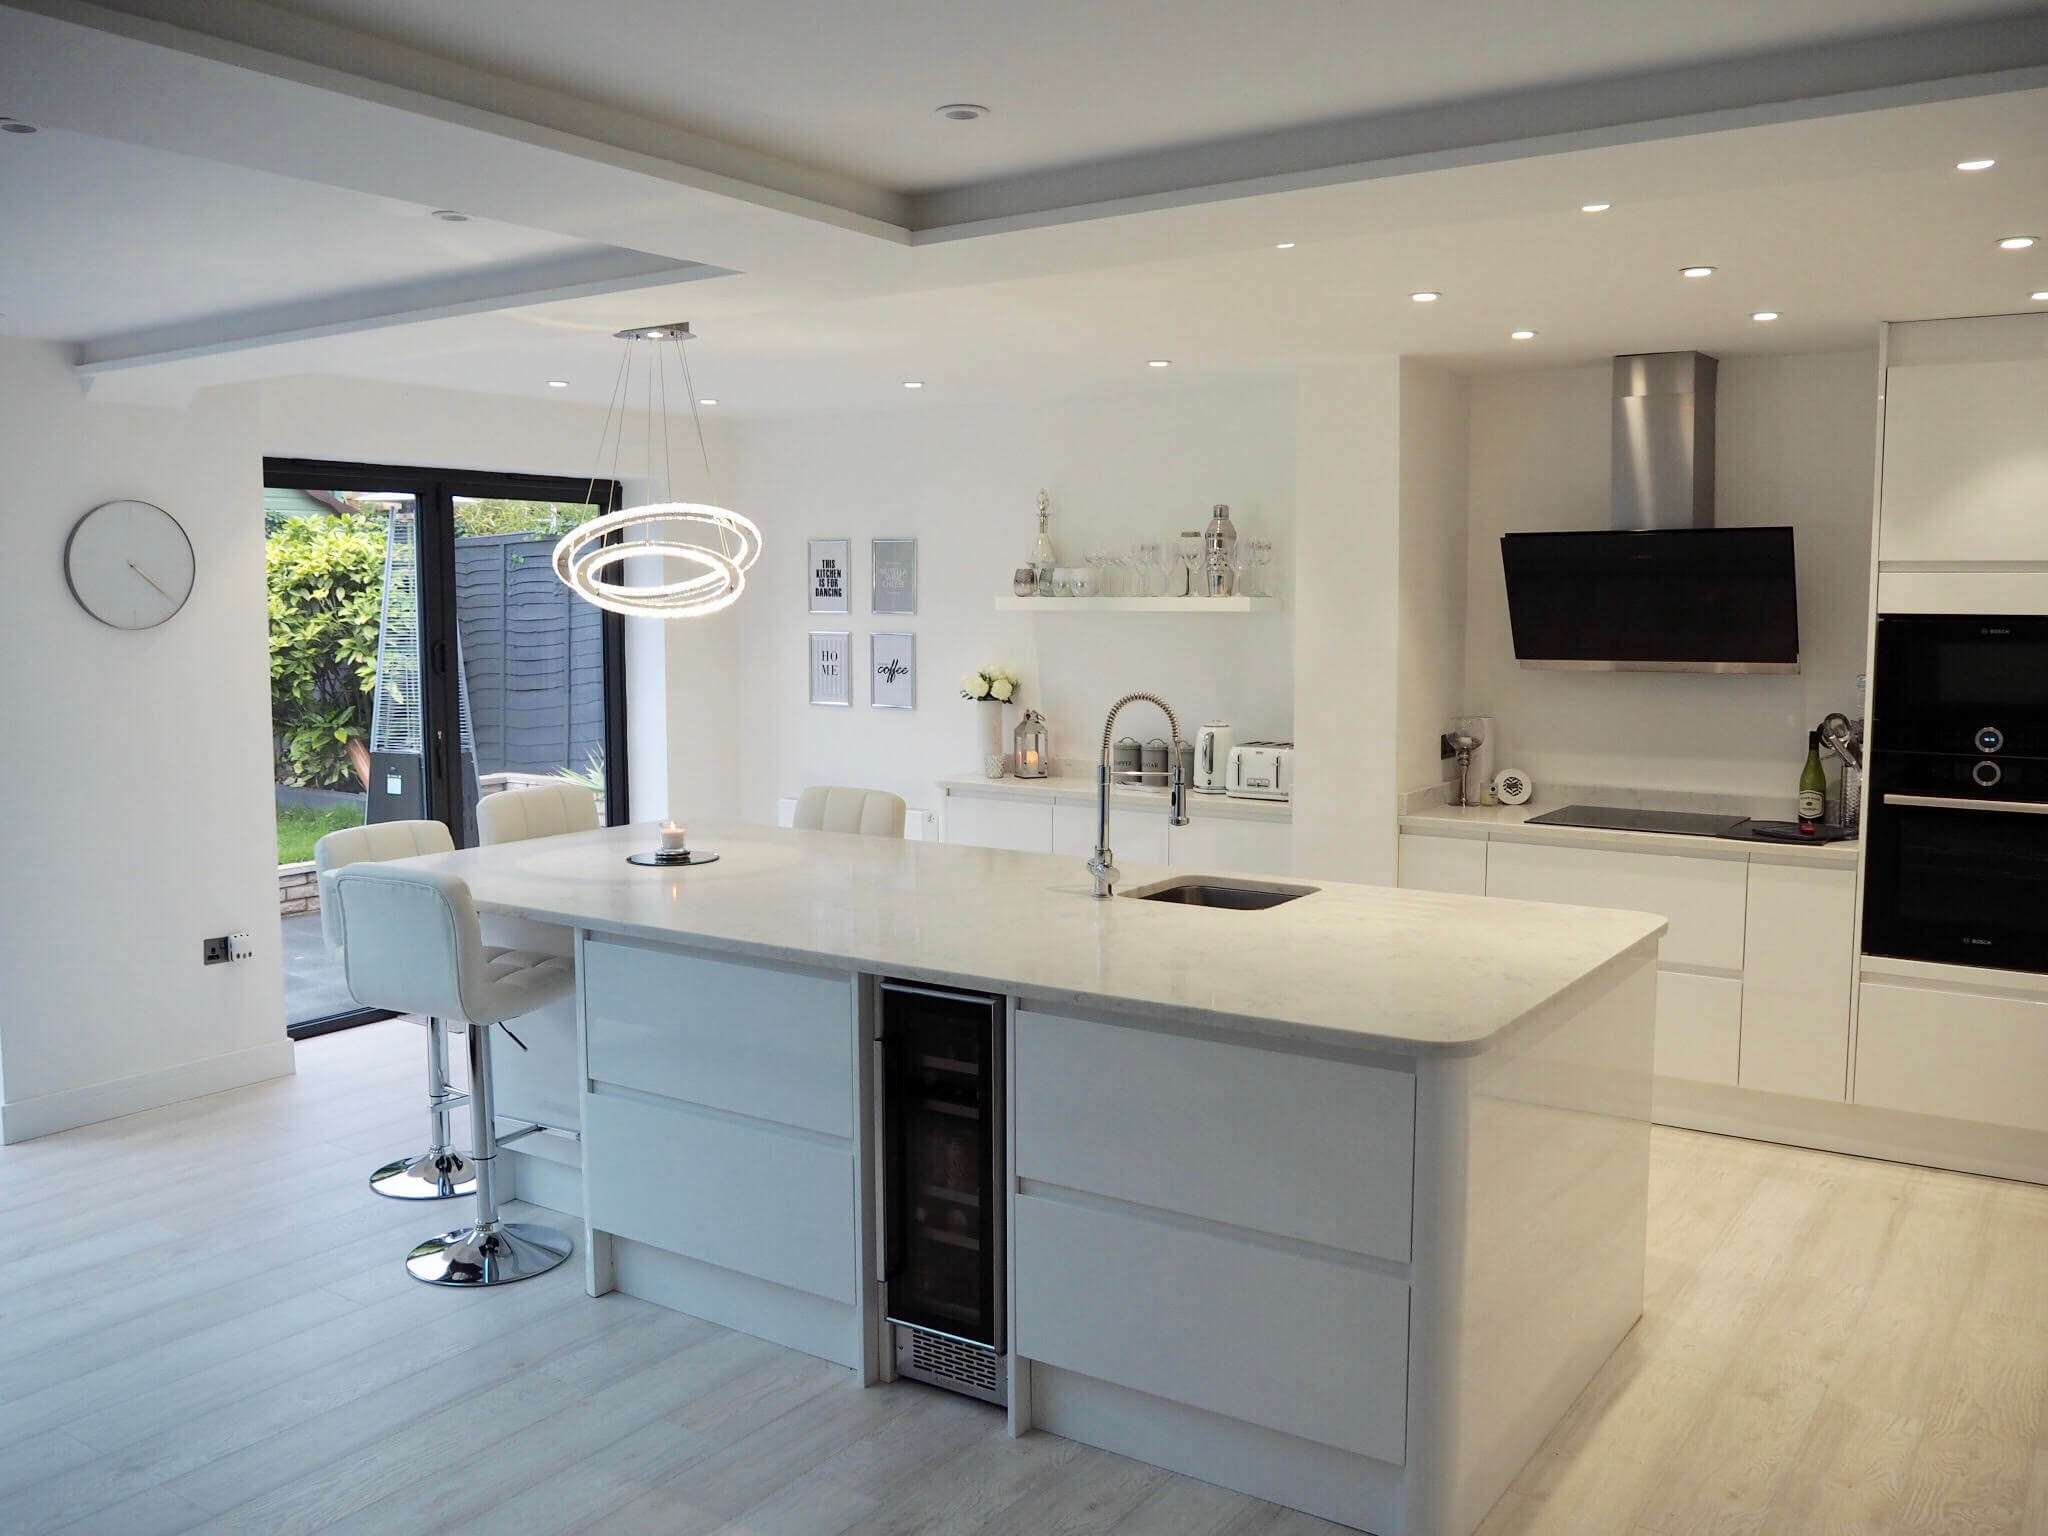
440 1172
413 944
513 816
832 808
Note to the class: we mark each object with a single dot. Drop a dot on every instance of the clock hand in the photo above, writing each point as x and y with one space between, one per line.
138 570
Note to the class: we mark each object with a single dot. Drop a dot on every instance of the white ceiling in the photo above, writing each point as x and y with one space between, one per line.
850 86
272 185
105 237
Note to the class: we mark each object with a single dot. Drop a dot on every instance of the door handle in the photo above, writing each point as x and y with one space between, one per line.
878 1092
1947 803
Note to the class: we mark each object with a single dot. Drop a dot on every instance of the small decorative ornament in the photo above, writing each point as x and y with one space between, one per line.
674 850
1513 786
993 687
1031 750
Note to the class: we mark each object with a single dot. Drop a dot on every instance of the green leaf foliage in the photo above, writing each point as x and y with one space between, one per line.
326 589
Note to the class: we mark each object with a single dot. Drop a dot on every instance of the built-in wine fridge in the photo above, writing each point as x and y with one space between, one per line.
942 1152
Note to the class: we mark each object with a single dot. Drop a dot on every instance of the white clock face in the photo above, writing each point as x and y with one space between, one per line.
129 564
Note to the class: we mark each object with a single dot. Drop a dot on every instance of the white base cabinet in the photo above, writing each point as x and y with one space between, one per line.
1756 974
1978 1056
1024 826
1063 822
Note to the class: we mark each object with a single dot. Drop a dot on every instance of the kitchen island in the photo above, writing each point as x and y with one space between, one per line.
1338 1203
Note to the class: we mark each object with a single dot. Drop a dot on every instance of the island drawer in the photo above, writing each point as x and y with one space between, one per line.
1301 1146
768 1042
776 1206
1299 1344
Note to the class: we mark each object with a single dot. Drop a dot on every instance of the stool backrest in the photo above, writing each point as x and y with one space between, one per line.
410 940
831 808
545 810
354 845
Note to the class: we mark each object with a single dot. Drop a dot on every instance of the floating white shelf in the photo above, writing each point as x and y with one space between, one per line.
1012 604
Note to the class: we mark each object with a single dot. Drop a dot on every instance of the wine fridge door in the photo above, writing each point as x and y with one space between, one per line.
942 1137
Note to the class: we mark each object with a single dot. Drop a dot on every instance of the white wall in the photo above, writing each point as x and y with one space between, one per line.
963 482
1795 445
137 811
1347 620
1434 452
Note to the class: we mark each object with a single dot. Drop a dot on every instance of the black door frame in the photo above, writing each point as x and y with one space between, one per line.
434 492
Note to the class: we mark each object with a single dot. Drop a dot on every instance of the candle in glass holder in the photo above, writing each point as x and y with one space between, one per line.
1031 760
674 837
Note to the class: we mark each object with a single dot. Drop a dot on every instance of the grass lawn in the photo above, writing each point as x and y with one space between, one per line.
298 829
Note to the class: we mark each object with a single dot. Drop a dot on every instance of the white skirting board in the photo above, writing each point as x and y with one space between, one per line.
1859 1130
26 1119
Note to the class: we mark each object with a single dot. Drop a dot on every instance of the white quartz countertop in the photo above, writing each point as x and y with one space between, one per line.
1352 967
1080 789
1511 823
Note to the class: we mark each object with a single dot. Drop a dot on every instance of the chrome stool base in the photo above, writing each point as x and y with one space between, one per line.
430 1176
498 1255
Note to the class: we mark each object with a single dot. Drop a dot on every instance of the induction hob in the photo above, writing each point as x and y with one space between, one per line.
1617 818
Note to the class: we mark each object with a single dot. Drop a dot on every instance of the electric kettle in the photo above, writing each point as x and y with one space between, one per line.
1213 742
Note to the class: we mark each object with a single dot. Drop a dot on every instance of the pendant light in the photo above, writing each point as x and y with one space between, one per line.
675 530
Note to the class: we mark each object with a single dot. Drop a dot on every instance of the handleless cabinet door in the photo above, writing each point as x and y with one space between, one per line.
1702 898
1453 864
1137 833
1024 826
1801 952
1234 846
1965 461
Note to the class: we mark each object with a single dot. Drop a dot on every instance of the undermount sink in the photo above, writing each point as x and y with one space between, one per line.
1246 896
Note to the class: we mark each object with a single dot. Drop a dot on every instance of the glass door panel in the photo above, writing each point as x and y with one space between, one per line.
345 699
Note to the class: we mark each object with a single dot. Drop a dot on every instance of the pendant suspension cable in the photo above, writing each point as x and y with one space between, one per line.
611 405
667 529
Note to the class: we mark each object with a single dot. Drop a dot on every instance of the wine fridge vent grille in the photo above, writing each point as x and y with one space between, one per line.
933 1357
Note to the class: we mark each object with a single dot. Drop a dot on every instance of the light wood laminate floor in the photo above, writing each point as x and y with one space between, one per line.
204 1325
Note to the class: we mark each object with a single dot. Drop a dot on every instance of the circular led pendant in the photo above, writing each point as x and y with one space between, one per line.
665 529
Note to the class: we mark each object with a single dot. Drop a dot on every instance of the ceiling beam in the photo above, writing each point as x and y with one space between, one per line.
511 285
1928 64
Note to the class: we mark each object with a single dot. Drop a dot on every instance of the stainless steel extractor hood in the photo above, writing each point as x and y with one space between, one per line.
1663 590
1663 419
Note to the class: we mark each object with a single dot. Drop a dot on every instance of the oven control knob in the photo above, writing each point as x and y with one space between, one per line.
1987 774
1990 739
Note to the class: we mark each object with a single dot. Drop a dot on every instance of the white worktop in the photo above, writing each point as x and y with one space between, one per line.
1079 789
1352 967
1510 823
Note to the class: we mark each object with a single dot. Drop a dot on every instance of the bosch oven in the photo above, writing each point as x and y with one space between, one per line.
1956 827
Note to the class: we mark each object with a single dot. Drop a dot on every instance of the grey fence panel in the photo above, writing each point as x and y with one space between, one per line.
534 653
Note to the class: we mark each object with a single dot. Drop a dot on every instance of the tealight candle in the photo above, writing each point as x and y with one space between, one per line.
1031 759
674 837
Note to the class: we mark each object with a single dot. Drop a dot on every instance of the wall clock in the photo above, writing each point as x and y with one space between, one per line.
129 564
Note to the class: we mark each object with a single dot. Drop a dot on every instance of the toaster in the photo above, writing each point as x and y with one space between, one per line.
1261 770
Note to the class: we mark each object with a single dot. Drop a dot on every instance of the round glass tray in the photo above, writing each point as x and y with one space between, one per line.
660 860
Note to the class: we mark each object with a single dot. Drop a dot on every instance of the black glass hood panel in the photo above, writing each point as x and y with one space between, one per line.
1658 600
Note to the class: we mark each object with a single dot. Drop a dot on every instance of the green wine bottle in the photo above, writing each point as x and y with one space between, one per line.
1813 788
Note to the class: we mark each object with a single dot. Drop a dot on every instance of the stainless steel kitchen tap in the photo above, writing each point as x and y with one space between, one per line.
1103 865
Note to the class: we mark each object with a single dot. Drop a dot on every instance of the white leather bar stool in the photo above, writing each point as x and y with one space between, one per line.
440 1172
413 944
513 816
830 808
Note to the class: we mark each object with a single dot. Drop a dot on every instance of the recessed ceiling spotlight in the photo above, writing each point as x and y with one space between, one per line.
1521 335
2019 242
1425 297
1695 271
1159 362
15 125
961 111
1765 315
450 216
1594 207
707 402
913 383
1975 165
558 383
1284 245
2041 297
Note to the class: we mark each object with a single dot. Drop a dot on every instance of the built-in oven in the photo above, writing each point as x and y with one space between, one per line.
1956 826
941 1134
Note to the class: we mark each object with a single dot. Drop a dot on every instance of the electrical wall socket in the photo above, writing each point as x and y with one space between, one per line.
241 946
216 951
